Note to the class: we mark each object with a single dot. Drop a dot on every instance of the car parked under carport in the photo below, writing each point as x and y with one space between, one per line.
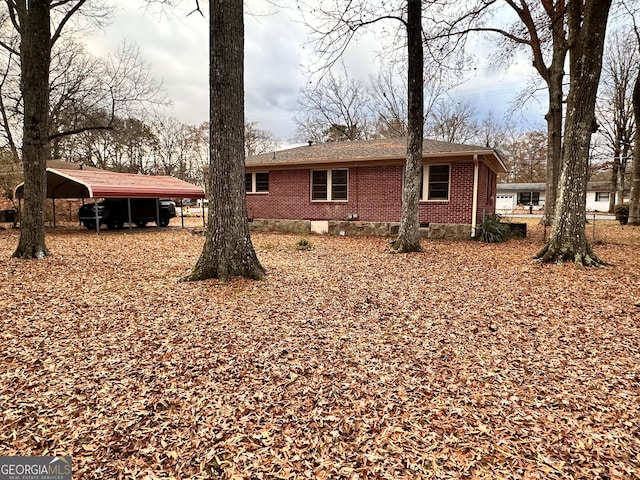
71 180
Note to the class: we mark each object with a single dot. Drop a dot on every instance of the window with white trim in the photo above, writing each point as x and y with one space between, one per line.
435 182
330 185
529 198
602 196
257 182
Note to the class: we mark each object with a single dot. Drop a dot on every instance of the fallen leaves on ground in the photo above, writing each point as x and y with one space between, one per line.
465 361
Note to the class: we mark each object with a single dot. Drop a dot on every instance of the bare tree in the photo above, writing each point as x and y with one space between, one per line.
89 93
198 153
10 173
527 157
82 88
228 250
335 109
542 29
10 93
258 140
614 110
388 98
39 25
453 122
408 235
33 22
335 25
587 23
169 147
634 202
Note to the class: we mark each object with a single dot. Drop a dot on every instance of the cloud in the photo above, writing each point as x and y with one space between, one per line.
175 45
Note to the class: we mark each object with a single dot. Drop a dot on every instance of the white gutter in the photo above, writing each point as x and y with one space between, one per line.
474 208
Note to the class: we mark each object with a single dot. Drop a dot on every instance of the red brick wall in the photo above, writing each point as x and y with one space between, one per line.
375 194
486 192
459 206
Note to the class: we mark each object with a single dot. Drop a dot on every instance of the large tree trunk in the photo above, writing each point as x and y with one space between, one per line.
35 52
568 241
621 184
634 204
554 78
227 250
409 233
554 137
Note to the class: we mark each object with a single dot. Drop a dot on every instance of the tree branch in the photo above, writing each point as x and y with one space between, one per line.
460 33
9 48
12 6
78 130
66 18
197 9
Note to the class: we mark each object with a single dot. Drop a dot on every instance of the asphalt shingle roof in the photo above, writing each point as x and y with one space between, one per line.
363 151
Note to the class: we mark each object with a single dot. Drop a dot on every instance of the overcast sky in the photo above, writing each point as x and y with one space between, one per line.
276 50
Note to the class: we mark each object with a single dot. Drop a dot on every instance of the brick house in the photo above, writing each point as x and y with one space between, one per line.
361 181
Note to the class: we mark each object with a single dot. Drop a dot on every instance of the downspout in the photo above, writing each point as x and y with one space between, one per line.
474 208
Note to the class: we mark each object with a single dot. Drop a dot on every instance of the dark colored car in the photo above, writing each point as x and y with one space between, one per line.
114 212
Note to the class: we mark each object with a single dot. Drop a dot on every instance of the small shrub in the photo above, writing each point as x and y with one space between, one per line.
492 231
621 211
303 244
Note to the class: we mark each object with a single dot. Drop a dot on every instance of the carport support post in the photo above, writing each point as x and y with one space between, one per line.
158 212
181 213
53 209
129 211
95 207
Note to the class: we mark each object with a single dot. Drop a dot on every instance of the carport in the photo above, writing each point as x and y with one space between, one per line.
78 182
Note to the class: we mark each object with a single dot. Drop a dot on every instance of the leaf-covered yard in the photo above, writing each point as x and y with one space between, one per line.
466 361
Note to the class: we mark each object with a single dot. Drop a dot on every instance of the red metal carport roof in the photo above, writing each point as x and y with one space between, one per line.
95 183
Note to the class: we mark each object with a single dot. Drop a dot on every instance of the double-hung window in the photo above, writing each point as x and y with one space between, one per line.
330 185
602 196
529 198
435 182
256 182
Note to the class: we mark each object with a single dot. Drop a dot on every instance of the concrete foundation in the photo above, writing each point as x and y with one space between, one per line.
366 229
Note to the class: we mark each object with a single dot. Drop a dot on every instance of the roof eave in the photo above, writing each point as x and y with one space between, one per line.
494 161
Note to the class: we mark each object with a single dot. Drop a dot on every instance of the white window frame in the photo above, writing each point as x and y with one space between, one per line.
254 183
425 183
531 201
598 194
329 185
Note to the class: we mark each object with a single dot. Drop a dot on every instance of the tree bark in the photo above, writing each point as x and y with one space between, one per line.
409 233
553 76
35 54
567 241
554 136
621 183
613 183
634 203
228 250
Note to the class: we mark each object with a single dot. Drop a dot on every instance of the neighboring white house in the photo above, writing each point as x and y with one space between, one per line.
598 195
513 196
